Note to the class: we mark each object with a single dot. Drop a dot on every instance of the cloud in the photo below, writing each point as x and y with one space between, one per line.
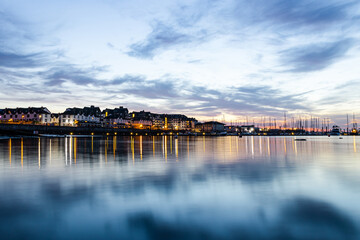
124 79
187 25
64 72
183 28
295 16
110 45
162 37
261 99
269 96
13 32
315 57
241 100
153 89
348 85
178 92
344 96
236 100
14 60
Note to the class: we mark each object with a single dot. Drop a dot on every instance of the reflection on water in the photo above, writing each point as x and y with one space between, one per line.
148 187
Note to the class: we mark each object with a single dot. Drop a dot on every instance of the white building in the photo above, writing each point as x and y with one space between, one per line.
78 116
40 115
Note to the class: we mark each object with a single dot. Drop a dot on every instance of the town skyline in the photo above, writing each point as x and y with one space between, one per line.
343 120
207 59
122 115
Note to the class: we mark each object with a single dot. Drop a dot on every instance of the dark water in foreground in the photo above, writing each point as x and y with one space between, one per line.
186 188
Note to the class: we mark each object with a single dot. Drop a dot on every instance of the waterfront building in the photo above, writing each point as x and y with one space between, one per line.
180 122
142 119
198 127
248 129
31 115
163 121
141 123
158 122
232 129
115 113
142 115
55 119
86 116
93 116
213 126
117 117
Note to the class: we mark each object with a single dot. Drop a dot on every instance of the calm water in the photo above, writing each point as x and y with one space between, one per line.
186 188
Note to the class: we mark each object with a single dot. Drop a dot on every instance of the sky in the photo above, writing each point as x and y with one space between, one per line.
208 59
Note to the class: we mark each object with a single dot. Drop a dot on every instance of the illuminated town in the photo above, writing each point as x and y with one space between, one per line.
120 119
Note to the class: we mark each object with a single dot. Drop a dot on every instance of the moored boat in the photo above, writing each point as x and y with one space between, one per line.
335 131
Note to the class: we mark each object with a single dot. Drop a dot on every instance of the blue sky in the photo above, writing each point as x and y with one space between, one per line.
207 59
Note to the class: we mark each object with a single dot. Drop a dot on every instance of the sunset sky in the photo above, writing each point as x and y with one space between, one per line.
207 59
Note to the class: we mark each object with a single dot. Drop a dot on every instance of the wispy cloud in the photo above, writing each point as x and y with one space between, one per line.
295 16
15 60
64 72
235 100
183 28
261 99
178 93
315 57
162 37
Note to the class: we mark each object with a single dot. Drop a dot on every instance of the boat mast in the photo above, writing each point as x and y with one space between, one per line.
354 122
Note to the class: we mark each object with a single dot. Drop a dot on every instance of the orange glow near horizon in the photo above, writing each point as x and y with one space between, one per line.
132 149
153 141
141 148
114 146
177 149
165 147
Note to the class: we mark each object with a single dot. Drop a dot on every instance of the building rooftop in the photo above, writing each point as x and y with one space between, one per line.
213 122
37 110
86 111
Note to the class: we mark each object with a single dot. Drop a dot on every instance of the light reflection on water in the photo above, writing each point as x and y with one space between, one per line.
147 187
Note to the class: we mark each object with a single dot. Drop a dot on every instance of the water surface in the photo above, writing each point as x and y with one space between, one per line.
187 188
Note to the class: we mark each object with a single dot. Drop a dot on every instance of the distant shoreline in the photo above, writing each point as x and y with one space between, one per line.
13 130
